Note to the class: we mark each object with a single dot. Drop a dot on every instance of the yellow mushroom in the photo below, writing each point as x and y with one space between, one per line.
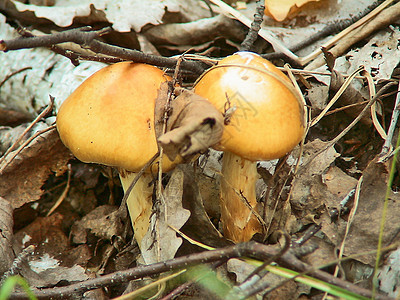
109 119
264 120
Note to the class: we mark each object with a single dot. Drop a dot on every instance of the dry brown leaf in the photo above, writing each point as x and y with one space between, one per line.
6 229
324 252
23 178
9 117
53 260
320 188
280 9
364 230
46 233
309 193
199 226
80 255
193 126
318 97
45 271
103 222
351 94
357 272
161 242
338 183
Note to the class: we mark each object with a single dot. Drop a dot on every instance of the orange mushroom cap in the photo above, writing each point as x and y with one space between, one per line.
109 118
267 116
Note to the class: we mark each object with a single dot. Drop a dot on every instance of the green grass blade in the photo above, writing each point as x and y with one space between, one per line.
9 284
310 281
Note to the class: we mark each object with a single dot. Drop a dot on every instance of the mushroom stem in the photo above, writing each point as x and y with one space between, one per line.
238 186
139 202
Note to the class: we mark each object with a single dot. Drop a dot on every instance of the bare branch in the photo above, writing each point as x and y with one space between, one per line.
255 27
86 38
250 249
82 36
140 57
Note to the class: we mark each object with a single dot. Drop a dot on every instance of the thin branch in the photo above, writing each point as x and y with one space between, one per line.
331 263
264 33
64 193
140 57
253 284
82 36
250 249
387 146
86 38
12 74
73 56
383 90
255 27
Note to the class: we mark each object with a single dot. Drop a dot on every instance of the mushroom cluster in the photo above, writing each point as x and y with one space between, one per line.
264 120
252 113
117 118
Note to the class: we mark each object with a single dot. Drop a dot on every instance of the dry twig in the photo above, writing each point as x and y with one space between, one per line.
63 194
379 18
87 39
3 163
278 46
387 146
330 29
250 249
13 74
379 94
17 263
255 27
253 284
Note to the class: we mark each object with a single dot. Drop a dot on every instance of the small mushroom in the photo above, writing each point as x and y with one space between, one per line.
109 119
264 120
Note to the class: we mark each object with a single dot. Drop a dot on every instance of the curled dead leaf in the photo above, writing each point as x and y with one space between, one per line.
193 126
